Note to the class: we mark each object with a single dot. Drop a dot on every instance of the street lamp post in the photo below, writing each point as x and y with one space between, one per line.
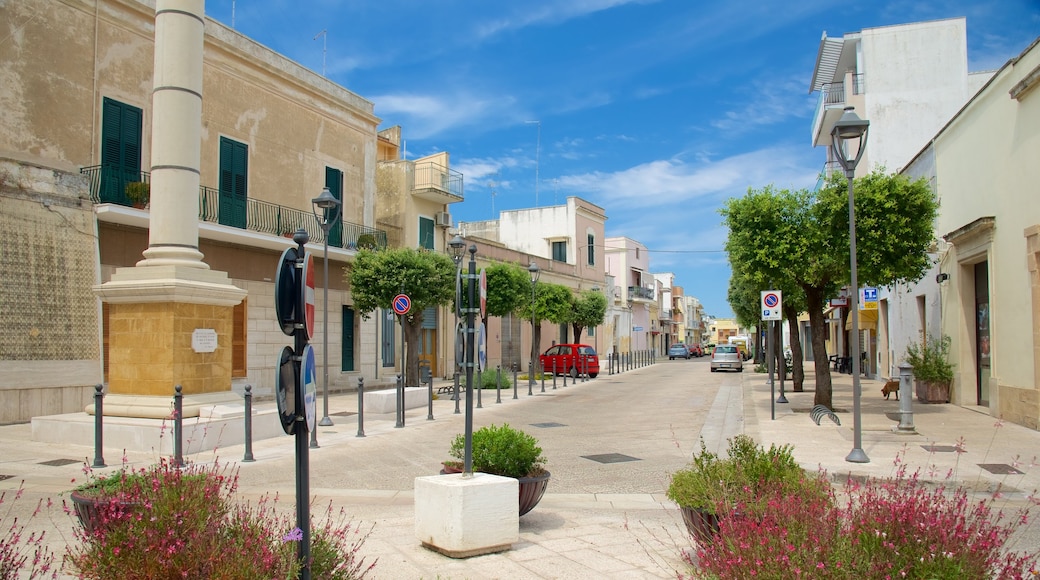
850 127
330 214
458 248
535 274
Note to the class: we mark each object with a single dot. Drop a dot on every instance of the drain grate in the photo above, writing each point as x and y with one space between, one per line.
3 477
547 425
1000 469
939 448
611 458
60 462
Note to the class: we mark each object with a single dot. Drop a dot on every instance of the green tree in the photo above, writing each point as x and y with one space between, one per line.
508 288
552 302
428 278
588 310
801 238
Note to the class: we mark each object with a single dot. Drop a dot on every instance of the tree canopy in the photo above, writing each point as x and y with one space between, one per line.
552 303
801 238
588 310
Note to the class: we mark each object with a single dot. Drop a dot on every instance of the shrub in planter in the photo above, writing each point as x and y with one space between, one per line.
503 450
932 369
138 192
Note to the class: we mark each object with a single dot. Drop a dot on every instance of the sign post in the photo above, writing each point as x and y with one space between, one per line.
772 310
401 305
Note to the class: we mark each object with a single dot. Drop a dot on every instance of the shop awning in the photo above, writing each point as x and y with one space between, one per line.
867 320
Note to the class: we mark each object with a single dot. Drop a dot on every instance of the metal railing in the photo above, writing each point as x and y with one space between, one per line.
640 292
108 185
430 175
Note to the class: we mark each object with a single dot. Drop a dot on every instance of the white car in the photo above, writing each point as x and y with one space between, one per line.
727 357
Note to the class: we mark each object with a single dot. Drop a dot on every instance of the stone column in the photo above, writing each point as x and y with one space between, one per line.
159 305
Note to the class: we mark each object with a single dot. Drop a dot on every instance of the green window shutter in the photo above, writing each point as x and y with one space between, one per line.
592 250
334 181
426 233
111 118
226 179
234 169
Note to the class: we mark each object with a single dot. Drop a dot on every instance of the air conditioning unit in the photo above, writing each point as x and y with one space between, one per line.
443 218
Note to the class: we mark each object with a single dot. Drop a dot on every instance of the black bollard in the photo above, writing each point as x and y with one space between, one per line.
248 398
99 397
498 384
480 388
515 385
400 401
554 374
178 427
541 372
361 406
456 395
429 388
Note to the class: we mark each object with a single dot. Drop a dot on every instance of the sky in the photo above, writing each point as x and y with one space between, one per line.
658 111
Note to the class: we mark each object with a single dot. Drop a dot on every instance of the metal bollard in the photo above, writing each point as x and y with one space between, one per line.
566 372
530 379
361 406
247 397
480 388
541 372
99 397
515 384
456 395
498 384
429 390
554 374
178 427
400 401
906 398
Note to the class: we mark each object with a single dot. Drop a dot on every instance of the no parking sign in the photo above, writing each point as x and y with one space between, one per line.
772 305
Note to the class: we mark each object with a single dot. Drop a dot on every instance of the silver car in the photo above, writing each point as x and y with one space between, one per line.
726 357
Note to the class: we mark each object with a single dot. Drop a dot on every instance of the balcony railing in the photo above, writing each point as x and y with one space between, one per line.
828 168
108 185
640 292
433 176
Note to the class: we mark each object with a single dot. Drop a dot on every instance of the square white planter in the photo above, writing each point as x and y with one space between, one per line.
462 517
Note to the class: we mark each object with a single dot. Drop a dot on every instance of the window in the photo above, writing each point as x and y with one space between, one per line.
559 251
334 181
592 249
425 233
234 161
120 150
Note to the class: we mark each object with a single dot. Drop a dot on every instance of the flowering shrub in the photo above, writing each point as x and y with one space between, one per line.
168 522
889 528
19 550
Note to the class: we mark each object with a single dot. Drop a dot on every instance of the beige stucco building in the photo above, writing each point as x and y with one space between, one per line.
983 167
77 129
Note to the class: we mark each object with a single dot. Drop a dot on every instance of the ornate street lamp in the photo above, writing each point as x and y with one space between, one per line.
851 128
457 246
330 214
535 274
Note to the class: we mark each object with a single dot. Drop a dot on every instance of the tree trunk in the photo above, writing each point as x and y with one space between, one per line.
577 333
536 340
814 304
797 369
778 351
760 351
412 326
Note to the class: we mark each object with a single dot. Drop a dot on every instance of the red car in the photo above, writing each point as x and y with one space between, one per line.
572 359
696 350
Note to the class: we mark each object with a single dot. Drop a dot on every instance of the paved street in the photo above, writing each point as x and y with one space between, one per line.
605 518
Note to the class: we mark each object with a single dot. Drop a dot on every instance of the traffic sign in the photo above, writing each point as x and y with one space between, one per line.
402 304
285 291
483 294
309 384
285 390
772 305
308 294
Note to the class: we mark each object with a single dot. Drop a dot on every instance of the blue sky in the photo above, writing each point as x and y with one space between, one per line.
658 111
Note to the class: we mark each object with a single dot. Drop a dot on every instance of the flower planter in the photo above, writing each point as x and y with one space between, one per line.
932 392
89 508
531 491
702 525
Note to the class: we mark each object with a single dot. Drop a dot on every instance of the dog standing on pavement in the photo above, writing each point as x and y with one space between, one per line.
889 388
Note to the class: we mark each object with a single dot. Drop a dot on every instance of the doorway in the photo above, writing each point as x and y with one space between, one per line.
982 338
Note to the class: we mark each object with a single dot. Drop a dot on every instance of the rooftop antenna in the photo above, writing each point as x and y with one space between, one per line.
537 154
324 47
555 190
232 14
491 184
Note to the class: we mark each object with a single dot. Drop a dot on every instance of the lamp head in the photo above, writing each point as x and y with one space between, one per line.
850 127
329 206
326 200
534 271
457 246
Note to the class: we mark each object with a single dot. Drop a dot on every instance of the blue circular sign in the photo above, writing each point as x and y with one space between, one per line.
771 300
402 304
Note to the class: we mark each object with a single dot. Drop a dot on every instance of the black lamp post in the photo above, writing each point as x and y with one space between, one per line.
851 128
330 214
535 274
471 357
457 246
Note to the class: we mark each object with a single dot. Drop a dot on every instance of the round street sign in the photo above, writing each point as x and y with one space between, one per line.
772 308
309 384
285 291
308 294
402 304
285 390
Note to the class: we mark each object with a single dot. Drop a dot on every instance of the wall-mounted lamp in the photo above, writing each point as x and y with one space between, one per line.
940 278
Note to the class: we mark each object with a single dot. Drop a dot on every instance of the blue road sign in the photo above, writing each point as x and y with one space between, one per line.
402 304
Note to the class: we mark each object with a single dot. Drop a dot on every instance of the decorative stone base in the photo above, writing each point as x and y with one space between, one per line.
462 517
385 401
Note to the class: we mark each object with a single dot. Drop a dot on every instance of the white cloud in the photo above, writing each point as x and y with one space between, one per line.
427 115
549 13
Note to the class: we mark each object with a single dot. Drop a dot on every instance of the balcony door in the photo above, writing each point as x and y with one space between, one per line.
120 150
334 181
234 165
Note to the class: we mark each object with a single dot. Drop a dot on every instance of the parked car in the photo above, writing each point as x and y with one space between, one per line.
727 357
696 350
678 350
571 359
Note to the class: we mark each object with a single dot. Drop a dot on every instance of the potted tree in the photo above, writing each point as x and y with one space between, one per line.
138 192
503 450
933 371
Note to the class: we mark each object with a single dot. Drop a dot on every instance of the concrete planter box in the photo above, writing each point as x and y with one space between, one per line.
462 516
385 401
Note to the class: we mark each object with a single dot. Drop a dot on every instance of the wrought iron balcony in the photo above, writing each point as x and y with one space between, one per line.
108 185
640 293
